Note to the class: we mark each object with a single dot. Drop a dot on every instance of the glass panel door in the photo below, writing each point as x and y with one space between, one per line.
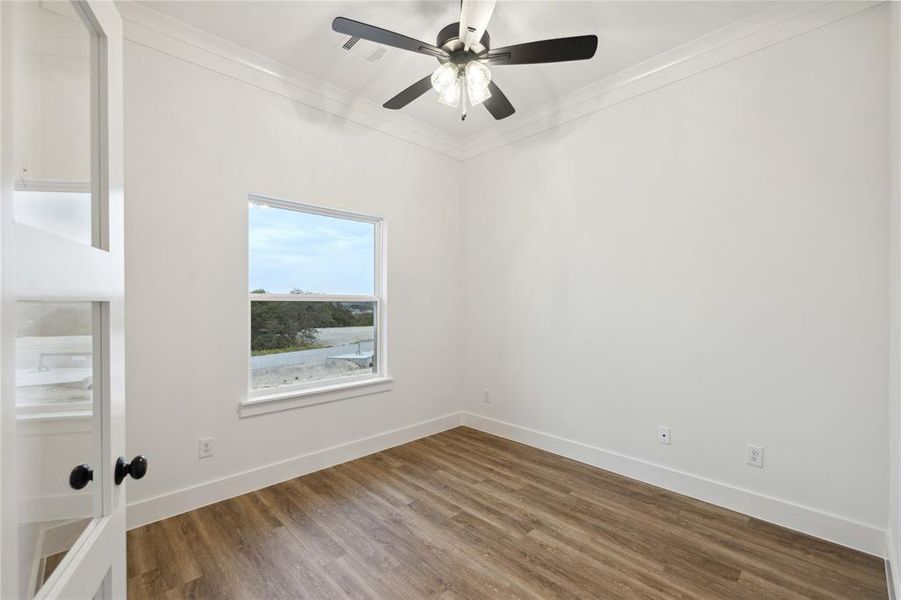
61 300
54 76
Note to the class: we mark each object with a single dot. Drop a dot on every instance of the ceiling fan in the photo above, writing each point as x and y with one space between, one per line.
464 51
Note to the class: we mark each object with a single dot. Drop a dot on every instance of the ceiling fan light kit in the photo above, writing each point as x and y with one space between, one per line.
464 51
456 85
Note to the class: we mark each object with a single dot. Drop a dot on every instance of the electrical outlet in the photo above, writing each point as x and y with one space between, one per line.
486 396
663 435
755 456
205 448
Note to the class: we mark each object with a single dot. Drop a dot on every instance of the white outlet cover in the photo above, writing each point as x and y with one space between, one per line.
755 456
205 447
663 435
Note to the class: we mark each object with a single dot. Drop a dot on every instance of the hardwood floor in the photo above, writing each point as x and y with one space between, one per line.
463 514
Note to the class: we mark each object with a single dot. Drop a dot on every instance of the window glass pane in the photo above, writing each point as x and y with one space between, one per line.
54 355
53 114
299 252
67 214
294 343
54 433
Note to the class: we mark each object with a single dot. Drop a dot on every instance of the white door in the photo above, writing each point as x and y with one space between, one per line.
62 425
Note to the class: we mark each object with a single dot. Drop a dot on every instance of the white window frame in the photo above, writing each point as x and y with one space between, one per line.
317 392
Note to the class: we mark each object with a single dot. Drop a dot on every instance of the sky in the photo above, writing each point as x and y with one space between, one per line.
322 255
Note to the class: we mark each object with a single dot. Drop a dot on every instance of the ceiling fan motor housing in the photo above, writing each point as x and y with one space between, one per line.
449 41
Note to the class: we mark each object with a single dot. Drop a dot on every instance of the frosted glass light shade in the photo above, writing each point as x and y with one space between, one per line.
477 94
477 74
444 77
451 94
477 79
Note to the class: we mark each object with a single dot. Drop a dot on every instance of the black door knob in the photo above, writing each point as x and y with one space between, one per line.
137 468
80 476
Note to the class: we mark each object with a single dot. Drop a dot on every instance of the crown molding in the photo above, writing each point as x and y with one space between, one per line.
768 27
162 33
771 26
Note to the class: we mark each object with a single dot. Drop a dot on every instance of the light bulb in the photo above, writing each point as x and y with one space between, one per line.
445 76
477 79
450 95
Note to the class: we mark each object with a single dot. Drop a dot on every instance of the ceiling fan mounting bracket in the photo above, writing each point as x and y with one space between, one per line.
449 40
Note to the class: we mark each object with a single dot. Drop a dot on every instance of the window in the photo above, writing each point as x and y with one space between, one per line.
317 309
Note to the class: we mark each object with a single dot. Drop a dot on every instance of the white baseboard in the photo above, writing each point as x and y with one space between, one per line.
833 528
174 503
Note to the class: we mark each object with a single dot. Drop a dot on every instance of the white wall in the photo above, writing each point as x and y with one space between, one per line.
710 256
196 144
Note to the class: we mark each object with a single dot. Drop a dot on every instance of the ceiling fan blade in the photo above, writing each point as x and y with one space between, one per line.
385 37
580 47
410 94
474 18
497 104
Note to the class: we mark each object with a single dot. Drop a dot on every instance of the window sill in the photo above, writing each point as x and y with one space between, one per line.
261 405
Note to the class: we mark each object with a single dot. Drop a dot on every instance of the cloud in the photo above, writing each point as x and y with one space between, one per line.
291 249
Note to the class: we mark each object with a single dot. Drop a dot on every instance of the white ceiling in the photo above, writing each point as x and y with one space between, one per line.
298 34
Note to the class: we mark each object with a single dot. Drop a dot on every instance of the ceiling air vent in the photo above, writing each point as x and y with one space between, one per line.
363 49
377 55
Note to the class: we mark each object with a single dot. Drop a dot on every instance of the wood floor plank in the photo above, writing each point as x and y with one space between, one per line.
463 514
